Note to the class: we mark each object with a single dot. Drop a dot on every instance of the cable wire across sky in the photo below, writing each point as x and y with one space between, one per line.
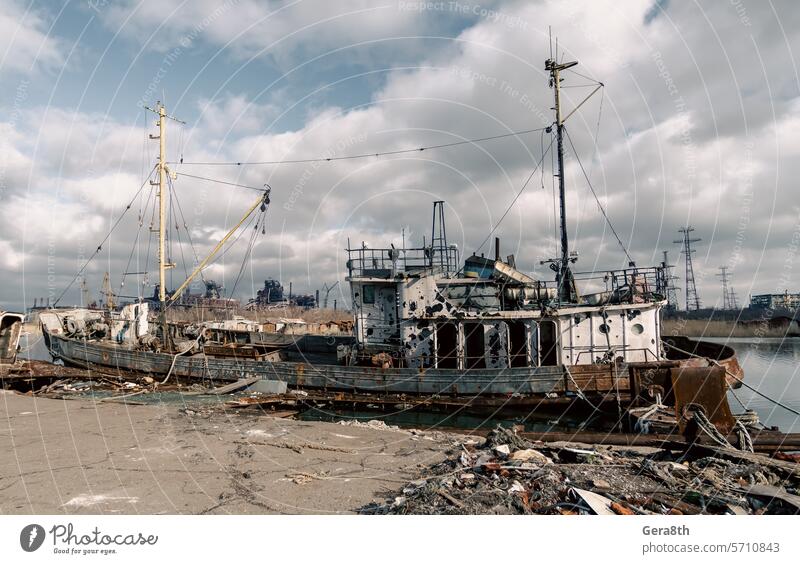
360 155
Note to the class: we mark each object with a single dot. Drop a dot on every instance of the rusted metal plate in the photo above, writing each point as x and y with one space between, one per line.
691 352
704 387
231 350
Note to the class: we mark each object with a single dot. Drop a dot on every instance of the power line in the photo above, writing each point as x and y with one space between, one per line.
362 155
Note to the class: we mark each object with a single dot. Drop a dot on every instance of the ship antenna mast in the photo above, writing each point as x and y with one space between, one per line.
163 171
565 282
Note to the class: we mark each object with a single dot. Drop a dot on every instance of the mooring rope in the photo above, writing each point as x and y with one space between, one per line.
578 390
175 356
705 425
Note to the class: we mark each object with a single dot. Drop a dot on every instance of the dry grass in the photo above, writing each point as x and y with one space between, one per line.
704 328
293 312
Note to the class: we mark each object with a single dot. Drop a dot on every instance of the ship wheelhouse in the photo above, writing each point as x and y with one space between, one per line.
416 308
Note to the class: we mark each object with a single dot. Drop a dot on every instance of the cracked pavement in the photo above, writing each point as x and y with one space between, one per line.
83 457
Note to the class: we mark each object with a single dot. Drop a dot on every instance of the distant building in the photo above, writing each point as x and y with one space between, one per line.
775 301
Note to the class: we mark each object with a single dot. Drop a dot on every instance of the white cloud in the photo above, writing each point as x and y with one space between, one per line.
708 161
277 29
25 42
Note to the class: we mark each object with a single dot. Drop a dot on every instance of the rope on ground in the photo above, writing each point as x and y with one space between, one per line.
745 440
735 377
705 425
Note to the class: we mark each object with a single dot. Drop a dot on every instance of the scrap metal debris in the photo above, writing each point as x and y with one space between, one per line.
507 474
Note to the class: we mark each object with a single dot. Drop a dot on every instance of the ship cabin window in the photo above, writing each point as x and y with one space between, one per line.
548 343
447 345
369 293
518 342
474 346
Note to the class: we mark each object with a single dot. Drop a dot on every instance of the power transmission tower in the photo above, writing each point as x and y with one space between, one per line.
726 296
692 299
670 290
733 301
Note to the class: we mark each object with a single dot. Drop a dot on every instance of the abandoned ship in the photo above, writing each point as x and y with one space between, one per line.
426 324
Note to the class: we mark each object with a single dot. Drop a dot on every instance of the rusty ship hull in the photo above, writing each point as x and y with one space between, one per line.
512 386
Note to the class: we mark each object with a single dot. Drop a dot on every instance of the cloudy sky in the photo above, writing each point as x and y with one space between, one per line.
696 125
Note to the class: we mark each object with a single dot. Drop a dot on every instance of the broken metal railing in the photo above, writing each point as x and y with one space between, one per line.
629 285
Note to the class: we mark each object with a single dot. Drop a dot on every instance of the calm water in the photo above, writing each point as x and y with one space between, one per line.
772 366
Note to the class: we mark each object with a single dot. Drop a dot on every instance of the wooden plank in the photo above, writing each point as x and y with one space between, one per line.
787 468
601 505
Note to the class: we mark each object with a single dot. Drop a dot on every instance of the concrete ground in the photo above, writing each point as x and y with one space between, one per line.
81 456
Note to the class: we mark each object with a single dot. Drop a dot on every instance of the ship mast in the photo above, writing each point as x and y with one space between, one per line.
162 195
566 284
162 205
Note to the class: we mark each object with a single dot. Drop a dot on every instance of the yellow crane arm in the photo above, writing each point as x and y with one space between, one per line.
263 200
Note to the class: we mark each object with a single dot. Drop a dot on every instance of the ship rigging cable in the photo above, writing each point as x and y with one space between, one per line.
596 199
100 246
360 155
519 193
220 181
223 251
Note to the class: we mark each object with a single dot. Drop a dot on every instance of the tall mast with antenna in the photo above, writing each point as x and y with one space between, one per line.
566 291
163 171
162 205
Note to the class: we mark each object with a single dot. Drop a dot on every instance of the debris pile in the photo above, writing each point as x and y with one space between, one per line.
67 387
372 424
507 474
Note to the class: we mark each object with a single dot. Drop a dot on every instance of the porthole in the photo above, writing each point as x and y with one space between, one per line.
603 328
637 328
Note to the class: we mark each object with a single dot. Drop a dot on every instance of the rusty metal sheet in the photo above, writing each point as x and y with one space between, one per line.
705 387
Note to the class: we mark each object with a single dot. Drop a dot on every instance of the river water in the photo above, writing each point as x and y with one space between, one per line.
772 366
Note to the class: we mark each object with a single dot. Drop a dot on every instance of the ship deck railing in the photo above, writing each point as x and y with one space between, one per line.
364 262
627 285
622 351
